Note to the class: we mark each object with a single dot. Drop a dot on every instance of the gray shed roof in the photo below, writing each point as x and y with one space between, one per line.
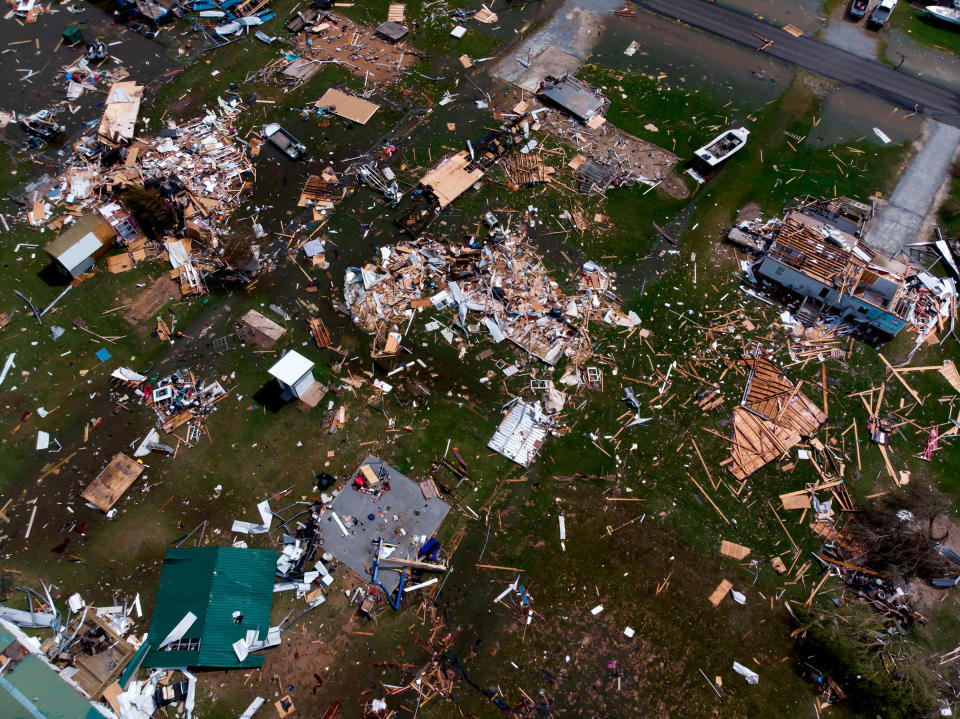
574 96
392 30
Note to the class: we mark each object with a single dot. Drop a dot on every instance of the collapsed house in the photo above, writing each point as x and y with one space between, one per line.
816 253
773 417
575 97
32 687
200 168
505 283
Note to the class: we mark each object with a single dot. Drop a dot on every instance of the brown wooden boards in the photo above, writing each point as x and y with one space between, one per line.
112 482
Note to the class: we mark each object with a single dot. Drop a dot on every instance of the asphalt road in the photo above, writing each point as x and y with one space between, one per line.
869 76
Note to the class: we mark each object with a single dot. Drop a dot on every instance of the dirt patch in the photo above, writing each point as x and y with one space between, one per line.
750 212
148 303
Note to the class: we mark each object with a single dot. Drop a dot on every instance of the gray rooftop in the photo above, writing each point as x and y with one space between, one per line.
403 507
392 30
575 97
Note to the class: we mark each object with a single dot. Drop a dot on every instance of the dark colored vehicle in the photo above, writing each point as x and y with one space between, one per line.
858 8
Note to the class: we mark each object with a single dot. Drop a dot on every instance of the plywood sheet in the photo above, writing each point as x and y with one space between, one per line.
119 263
732 549
396 12
347 106
720 592
112 482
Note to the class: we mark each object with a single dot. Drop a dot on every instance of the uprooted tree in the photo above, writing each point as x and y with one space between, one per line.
884 672
880 662
900 534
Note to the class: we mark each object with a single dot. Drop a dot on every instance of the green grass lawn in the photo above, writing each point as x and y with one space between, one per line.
617 553
926 30
950 210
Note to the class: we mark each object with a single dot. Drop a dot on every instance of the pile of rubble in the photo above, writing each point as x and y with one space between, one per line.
178 399
201 168
506 283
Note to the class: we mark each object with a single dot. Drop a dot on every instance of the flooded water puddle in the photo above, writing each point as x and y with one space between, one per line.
719 69
560 46
849 115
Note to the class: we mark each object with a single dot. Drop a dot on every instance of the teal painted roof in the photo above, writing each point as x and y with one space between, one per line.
213 583
34 690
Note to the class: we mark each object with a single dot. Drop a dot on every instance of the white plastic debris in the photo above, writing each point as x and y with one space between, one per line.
751 676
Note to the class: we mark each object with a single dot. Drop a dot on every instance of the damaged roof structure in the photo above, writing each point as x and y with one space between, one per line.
772 418
574 96
209 599
259 330
521 433
120 114
31 687
452 176
347 106
837 273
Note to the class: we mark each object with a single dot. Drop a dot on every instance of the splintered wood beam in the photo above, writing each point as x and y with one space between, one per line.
823 386
784 526
712 503
700 457
900 379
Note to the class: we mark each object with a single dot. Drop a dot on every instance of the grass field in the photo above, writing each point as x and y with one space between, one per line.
618 553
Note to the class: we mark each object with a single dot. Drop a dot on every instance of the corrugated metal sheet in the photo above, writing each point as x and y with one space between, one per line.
575 98
32 688
520 434
950 555
213 583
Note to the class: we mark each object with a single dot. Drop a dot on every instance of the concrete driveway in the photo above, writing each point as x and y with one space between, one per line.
901 220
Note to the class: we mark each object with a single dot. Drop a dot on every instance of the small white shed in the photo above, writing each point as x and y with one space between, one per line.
294 372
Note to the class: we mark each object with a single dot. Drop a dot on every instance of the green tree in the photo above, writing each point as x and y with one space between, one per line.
149 209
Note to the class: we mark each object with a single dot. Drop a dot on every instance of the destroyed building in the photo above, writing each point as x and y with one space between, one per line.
31 687
834 272
573 96
505 283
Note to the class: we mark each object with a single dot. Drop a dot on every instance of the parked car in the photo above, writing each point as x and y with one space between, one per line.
881 13
858 8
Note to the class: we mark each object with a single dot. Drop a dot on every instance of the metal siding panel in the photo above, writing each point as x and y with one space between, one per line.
213 582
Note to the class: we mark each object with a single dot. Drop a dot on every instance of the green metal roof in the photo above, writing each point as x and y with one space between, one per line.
34 690
213 583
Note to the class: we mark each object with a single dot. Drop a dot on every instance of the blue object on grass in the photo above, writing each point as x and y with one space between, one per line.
102 354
